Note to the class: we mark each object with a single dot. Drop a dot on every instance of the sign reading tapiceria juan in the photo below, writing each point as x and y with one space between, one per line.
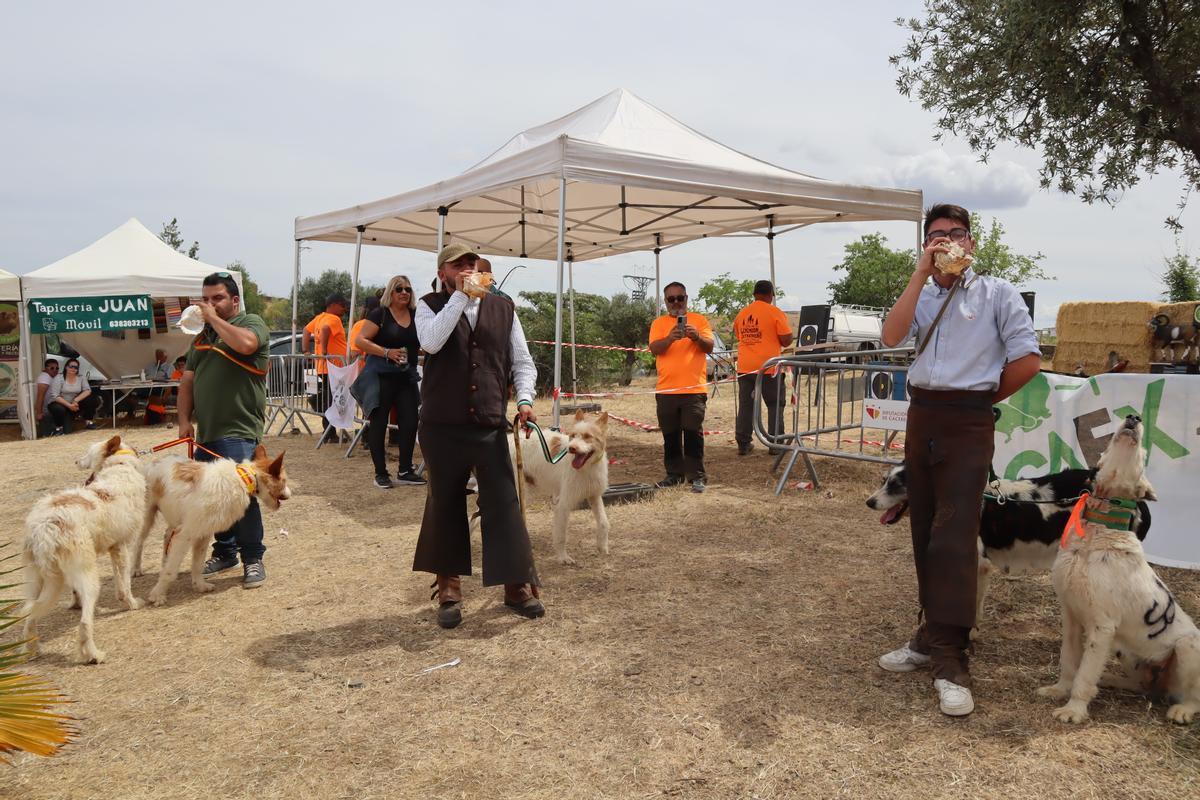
80 314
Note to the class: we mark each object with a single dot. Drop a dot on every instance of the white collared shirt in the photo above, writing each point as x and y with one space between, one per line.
434 329
986 326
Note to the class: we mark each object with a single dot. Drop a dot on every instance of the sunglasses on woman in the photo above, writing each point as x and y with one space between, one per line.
72 366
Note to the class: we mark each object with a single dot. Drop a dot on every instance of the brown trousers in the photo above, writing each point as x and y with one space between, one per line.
947 452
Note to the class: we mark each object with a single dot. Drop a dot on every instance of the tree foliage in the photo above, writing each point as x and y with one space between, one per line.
277 313
876 274
252 299
725 297
994 257
171 235
1106 90
314 291
593 367
626 323
1181 278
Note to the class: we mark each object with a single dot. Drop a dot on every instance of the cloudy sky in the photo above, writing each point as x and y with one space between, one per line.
237 117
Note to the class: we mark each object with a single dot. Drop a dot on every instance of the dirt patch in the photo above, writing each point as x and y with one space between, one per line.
724 649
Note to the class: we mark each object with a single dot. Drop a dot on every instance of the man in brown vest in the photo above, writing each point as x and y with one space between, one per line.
473 345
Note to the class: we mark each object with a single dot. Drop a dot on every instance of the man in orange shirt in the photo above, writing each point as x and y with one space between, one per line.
328 333
762 332
370 305
681 341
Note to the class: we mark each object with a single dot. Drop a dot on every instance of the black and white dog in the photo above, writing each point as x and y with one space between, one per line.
1021 524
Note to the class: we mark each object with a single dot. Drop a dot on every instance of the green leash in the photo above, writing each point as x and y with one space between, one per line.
546 447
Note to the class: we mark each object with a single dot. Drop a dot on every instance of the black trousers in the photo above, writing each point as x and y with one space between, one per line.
774 393
399 392
947 452
320 401
87 410
444 544
681 420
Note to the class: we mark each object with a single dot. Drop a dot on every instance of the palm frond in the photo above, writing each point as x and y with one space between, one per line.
29 720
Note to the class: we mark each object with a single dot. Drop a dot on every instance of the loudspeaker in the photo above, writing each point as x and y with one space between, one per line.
1028 298
887 385
880 385
814 325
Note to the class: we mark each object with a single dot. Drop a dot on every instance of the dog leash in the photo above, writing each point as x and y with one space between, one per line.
192 444
541 436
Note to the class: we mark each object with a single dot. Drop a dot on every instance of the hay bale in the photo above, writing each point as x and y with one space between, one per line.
1088 332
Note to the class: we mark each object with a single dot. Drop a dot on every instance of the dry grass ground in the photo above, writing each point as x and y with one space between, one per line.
724 649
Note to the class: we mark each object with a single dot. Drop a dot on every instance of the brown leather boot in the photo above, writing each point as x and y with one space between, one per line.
448 591
523 598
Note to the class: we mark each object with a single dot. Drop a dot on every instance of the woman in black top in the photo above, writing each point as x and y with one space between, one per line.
389 338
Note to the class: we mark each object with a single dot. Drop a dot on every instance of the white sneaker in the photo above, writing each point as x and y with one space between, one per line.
953 700
904 659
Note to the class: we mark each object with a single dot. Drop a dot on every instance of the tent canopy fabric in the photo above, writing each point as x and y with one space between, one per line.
129 260
10 286
636 179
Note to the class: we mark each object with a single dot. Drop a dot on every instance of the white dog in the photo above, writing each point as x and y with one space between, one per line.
199 500
65 531
1113 602
582 475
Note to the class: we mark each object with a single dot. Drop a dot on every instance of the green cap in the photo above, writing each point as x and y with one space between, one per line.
453 252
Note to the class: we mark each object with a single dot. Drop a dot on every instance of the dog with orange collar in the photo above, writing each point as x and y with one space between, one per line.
199 499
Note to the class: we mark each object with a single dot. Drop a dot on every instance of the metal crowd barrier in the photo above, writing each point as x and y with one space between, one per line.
294 390
845 380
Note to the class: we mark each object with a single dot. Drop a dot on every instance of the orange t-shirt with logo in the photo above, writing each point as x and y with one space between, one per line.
757 328
681 368
337 339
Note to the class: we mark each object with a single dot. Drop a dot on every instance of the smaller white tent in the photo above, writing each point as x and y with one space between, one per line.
128 261
11 404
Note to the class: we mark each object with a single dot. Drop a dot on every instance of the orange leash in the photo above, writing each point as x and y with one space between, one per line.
1075 523
191 443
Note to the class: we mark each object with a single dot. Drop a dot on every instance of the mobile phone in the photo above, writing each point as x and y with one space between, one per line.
681 320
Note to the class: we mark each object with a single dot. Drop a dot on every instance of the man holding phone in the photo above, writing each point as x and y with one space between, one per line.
681 341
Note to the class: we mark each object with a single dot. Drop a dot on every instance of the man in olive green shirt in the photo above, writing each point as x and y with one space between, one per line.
224 390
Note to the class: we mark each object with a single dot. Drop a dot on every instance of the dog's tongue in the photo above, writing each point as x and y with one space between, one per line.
579 460
891 515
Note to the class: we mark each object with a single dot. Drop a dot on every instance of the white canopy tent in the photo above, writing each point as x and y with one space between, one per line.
615 176
128 261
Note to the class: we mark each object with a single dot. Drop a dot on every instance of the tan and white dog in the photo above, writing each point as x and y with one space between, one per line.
67 530
1113 603
199 500
580 475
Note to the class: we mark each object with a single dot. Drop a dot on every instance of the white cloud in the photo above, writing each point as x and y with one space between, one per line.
965 181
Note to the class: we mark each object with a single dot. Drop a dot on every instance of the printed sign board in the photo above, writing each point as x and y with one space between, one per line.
82 314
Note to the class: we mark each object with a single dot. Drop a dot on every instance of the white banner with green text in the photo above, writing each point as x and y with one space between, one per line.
1059 422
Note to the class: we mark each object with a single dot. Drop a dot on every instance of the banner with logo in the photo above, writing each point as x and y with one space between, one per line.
78 314
341 405
10 354
1058 422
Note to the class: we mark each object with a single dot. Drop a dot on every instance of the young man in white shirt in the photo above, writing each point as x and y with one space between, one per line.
976 346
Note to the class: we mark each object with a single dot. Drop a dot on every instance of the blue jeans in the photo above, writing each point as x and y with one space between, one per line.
246 535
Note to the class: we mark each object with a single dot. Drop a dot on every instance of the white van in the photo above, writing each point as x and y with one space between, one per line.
860 326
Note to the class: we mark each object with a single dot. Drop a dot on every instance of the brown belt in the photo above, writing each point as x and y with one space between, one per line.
950 397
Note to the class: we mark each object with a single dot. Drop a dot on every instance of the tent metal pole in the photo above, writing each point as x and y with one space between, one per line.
295 296
558 309
657 272
442 212
571 294
771 246
354 287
